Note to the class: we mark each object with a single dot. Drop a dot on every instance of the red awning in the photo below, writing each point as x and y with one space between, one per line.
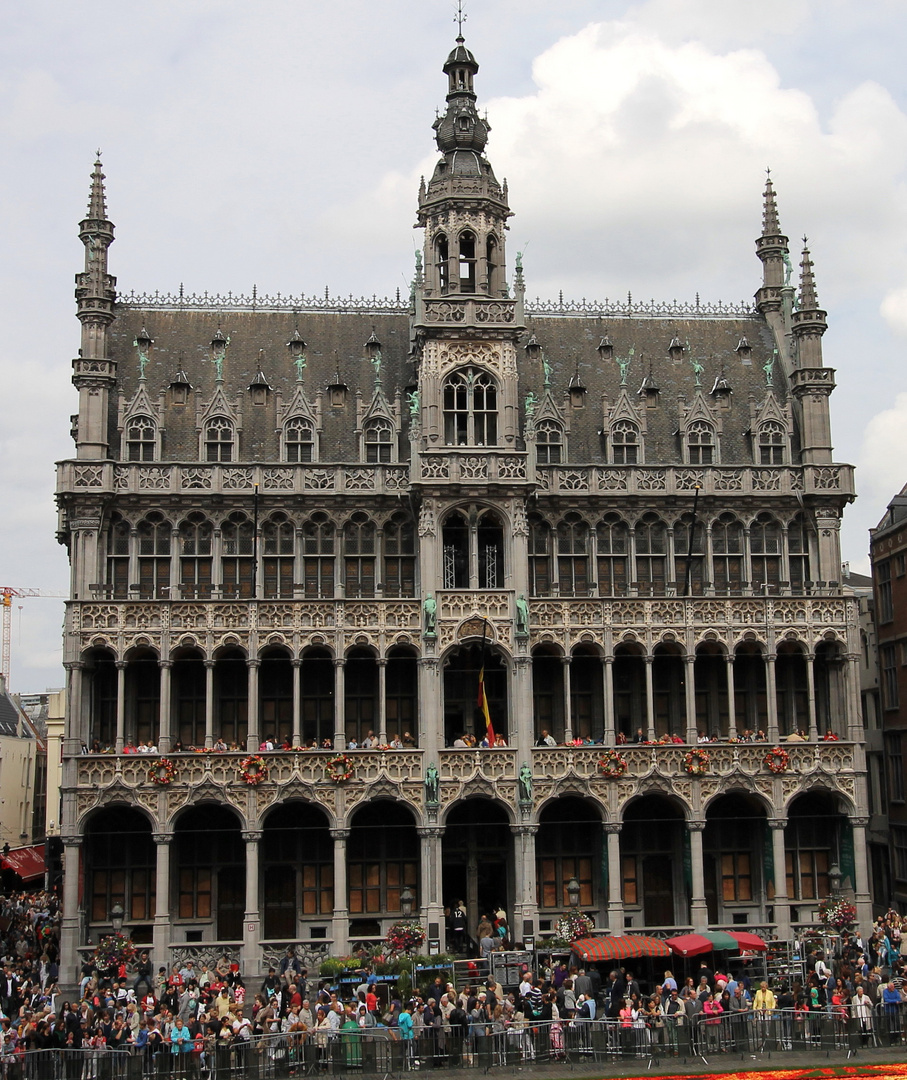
619 947
748 941
27 862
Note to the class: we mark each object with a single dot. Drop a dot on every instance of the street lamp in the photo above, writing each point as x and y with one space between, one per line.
573 892
406 901
834 877
116 917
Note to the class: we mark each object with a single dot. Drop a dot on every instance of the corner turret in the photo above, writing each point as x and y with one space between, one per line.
812 382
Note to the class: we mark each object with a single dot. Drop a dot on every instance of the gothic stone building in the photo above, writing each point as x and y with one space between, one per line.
303 521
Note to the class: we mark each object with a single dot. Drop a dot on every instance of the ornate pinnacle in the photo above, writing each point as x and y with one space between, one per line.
809 300
97 202
771 226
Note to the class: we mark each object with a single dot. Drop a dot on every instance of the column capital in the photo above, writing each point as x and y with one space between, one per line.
696 824
165 663
296 662
162 837
210 664
74 665
522 661
613 827
777 822
253 662
381 661
524 830
251 835
120 665
340 834
729 658
770 657
430 831
339 661
607 659
649 659
565 660
859 822
428 661
72 840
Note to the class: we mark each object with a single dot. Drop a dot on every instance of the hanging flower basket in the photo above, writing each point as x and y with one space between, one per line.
838 912
697 762
339 768
162 772
253 770
573 925
404 936
612 764
112 951
777 760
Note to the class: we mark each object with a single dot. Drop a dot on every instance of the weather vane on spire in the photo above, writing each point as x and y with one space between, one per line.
460 17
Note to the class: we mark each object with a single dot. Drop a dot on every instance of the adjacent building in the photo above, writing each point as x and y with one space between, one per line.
311 523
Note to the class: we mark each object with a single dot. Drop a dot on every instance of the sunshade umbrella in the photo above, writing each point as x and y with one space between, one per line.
619 947
707 941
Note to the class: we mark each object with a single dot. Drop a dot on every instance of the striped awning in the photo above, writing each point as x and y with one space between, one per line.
619 947
697 944
27 862
749 942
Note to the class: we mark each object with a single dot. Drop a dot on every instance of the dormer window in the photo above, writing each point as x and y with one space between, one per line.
219 439
549 440
140 439
700 443
379 441
624 443
299 439
772 441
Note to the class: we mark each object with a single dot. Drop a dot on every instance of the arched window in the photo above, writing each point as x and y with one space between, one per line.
765 553
624 443
318 557
573 556
141 434
651 555
459 532
379 440
772 442
442 255
154 557
399 557
613 551
359 556
549 440
278 538
299 439
218 439
491 263
798 553
467 262
195 557
727 554
700 443
118 558
539 557
470 409
237 556
689 561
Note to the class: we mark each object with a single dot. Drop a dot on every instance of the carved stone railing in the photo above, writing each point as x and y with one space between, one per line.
668 760
684 479
243 616
286 478
492 764
484 464
307 766
467 311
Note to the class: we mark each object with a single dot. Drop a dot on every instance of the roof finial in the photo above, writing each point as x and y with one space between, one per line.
771 226
459 19
809 300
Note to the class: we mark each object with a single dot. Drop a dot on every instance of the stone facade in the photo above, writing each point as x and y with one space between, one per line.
309 522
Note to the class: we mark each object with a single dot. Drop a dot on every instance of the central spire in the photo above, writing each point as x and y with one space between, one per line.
461 127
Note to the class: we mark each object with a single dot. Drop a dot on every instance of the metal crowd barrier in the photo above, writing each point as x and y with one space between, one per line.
494 1045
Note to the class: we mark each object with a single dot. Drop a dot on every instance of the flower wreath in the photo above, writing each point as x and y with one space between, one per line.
162 772
697 762
253 770
339 768
776 760
612 764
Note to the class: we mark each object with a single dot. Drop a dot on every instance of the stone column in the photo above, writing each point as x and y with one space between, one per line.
431 902
296 739
253 735
251 931
525 906
689 688
70 929
566 661
615 878
650 701
382 700
811 695
162 912
854 730
771 698
339 705
430 732
862 894
731 702
610 736
699 912
121 705
209 703
340 923
76 731
164 732
523 730
782 901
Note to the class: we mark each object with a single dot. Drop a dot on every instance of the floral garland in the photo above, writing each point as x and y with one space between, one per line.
404 936
837 912
112 951
162 772
697 762
573 925
776 760
252 770
339 768
612 764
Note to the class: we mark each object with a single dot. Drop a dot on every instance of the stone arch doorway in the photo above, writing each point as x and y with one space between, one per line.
654 850
477 854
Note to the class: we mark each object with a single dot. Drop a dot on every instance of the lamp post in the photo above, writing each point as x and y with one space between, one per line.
116 917
573 892
406 901
834 878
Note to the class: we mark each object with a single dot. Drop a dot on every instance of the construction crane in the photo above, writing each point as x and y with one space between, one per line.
7 592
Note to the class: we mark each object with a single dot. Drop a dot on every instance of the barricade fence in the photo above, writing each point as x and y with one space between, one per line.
380 1050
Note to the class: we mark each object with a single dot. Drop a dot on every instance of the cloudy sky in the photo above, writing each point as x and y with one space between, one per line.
281 143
